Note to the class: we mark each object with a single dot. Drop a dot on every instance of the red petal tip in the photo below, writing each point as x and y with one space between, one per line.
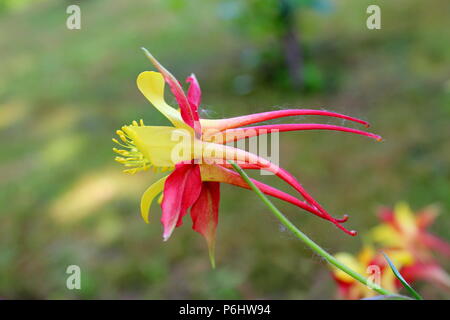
349 232
343 219
166 237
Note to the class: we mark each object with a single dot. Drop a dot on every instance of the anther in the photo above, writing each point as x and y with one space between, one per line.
120 159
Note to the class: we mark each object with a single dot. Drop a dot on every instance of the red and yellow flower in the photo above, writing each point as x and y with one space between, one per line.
403 230
403 236
372 264
195 150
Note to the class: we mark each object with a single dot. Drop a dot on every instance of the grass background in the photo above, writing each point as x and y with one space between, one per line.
63 93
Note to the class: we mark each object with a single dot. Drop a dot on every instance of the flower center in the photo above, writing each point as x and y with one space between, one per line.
130 156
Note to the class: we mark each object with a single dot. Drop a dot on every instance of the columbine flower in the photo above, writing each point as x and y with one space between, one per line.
372 264
401 229
200 161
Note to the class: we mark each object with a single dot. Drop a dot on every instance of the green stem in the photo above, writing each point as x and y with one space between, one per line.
310 243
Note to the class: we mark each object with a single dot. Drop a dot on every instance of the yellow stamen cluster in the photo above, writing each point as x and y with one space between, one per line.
131 158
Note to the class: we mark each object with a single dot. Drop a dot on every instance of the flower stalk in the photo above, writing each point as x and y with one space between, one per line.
303 237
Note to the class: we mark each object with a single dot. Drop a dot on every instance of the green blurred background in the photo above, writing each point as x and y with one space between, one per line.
63 93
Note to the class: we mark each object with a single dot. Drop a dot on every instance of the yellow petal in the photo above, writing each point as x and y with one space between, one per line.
149 195
351 262
400 258
151 84
162 146
160 199
366 255
405 218
388 281
387 235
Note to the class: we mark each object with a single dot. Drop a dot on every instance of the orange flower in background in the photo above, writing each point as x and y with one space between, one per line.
401 228
371 263
404 230
403 236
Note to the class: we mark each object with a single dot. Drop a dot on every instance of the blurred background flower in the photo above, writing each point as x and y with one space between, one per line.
405 231
403 237
62 92
372 264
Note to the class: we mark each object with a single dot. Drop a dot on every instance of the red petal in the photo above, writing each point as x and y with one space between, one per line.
189 115
221 174
431 272
248 132
426 217
386 215
344 288
194 93
291 180
286 176
264 116
242 156
224 152
205 213
181 190
435 243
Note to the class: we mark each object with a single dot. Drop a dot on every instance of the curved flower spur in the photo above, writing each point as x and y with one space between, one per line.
202 164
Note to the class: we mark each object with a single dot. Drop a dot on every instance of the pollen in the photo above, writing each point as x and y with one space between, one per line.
130 156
